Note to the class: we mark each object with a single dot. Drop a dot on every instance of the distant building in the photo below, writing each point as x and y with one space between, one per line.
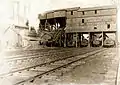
13 37
19 37
80 23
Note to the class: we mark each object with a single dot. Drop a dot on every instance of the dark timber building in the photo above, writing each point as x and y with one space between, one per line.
94 26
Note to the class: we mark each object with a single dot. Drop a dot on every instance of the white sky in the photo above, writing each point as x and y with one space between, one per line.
40 6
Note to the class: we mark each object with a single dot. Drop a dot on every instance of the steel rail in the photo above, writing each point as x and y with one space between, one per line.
46 72
42 64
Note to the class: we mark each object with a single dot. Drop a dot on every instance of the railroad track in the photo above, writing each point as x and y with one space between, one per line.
28 57
28 53
35 53
31 56
20 62
17 52
57 65
38 58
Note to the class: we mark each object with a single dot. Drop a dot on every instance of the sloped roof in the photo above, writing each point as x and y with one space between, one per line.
98 8
21 27
81 9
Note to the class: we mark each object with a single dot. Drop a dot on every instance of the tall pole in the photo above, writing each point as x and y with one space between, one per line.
89 40
65 41
16 11
102 39
76 39
16 17
25 13
80 39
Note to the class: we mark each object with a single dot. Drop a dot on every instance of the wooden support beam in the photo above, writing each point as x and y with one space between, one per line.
45 23
55 23
60 39
80 39
76 39
102 39
89 40
116 39
65 40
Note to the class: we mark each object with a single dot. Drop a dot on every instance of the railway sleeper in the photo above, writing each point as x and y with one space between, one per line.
60 67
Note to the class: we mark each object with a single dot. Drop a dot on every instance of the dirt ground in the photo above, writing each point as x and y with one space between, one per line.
100 70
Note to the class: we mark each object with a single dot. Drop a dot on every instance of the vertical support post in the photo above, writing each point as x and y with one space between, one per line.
45 22
65 40
80 39
89 40
60 39
55 23
76 40
116 39
102 39
18 41
40 25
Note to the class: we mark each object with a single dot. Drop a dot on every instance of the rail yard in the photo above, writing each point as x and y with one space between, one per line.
72 46
58 66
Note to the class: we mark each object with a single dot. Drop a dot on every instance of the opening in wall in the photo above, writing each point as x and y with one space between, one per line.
95 27
95 11
83 12
108 26
82 20
71 12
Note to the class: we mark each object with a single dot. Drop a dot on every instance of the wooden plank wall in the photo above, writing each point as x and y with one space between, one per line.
91 20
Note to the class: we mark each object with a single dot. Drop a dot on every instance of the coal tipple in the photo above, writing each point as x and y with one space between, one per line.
80 27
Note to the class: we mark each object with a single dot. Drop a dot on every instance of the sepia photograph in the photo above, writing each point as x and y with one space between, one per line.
66 42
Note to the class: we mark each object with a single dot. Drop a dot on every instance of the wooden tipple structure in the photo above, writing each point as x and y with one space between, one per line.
95 26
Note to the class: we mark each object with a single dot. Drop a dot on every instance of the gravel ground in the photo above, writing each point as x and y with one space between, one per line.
100 70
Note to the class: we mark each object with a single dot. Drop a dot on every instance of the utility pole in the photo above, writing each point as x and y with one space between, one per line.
16 7
16 18
26 12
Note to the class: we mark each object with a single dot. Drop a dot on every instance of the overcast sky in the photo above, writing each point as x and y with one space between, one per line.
40 6
43 5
